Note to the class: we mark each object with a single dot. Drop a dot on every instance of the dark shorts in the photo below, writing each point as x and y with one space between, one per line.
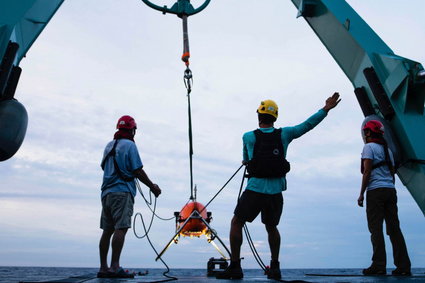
252 203
117 209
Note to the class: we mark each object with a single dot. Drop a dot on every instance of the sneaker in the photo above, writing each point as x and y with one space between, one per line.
401 272
274 271
373 270
233 271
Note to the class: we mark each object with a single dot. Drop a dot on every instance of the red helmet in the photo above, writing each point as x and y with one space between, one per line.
374 126
126 122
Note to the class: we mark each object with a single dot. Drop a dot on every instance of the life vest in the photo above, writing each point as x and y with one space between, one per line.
268 160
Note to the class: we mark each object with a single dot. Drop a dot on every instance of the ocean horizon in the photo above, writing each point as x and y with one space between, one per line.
16 274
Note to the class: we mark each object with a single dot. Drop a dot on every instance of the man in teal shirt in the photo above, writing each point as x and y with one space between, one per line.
263 192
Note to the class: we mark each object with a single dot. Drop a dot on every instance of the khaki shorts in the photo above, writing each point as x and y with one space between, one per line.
117 209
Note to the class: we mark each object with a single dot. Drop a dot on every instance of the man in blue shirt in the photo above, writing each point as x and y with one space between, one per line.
263 192
121 164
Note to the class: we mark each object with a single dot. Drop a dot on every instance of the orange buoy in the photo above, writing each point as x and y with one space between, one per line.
195 226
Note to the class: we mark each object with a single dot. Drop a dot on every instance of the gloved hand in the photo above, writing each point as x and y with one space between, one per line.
155 190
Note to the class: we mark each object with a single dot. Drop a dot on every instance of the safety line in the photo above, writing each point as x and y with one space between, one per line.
247 234
170 278
208 203
149 203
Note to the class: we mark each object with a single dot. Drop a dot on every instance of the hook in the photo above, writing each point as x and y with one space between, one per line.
180 8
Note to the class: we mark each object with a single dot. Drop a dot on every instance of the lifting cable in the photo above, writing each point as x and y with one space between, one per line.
183 9
188 82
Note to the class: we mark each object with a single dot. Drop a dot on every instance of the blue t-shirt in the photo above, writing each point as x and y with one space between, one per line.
277 185
128 160
380 177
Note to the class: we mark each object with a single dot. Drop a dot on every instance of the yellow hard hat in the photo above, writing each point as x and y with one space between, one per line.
268 107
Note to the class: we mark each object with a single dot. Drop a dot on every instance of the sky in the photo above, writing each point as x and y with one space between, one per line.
94 63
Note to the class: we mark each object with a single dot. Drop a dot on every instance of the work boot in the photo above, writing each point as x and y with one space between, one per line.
233 271
374 270
274 271
401 272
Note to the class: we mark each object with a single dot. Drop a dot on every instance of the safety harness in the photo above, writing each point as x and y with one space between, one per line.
112 154
387 162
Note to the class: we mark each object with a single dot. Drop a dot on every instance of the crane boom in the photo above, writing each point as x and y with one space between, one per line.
386 85
22 22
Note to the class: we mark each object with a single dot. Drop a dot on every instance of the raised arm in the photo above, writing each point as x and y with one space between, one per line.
299 130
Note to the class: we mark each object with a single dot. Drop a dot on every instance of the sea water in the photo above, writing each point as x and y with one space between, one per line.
13 274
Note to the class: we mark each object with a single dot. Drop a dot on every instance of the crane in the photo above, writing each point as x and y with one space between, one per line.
388 87
21 22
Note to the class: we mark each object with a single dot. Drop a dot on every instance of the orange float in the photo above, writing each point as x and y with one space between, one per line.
189 220
193 220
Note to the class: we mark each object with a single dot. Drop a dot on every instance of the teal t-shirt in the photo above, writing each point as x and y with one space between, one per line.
128 160
277 185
